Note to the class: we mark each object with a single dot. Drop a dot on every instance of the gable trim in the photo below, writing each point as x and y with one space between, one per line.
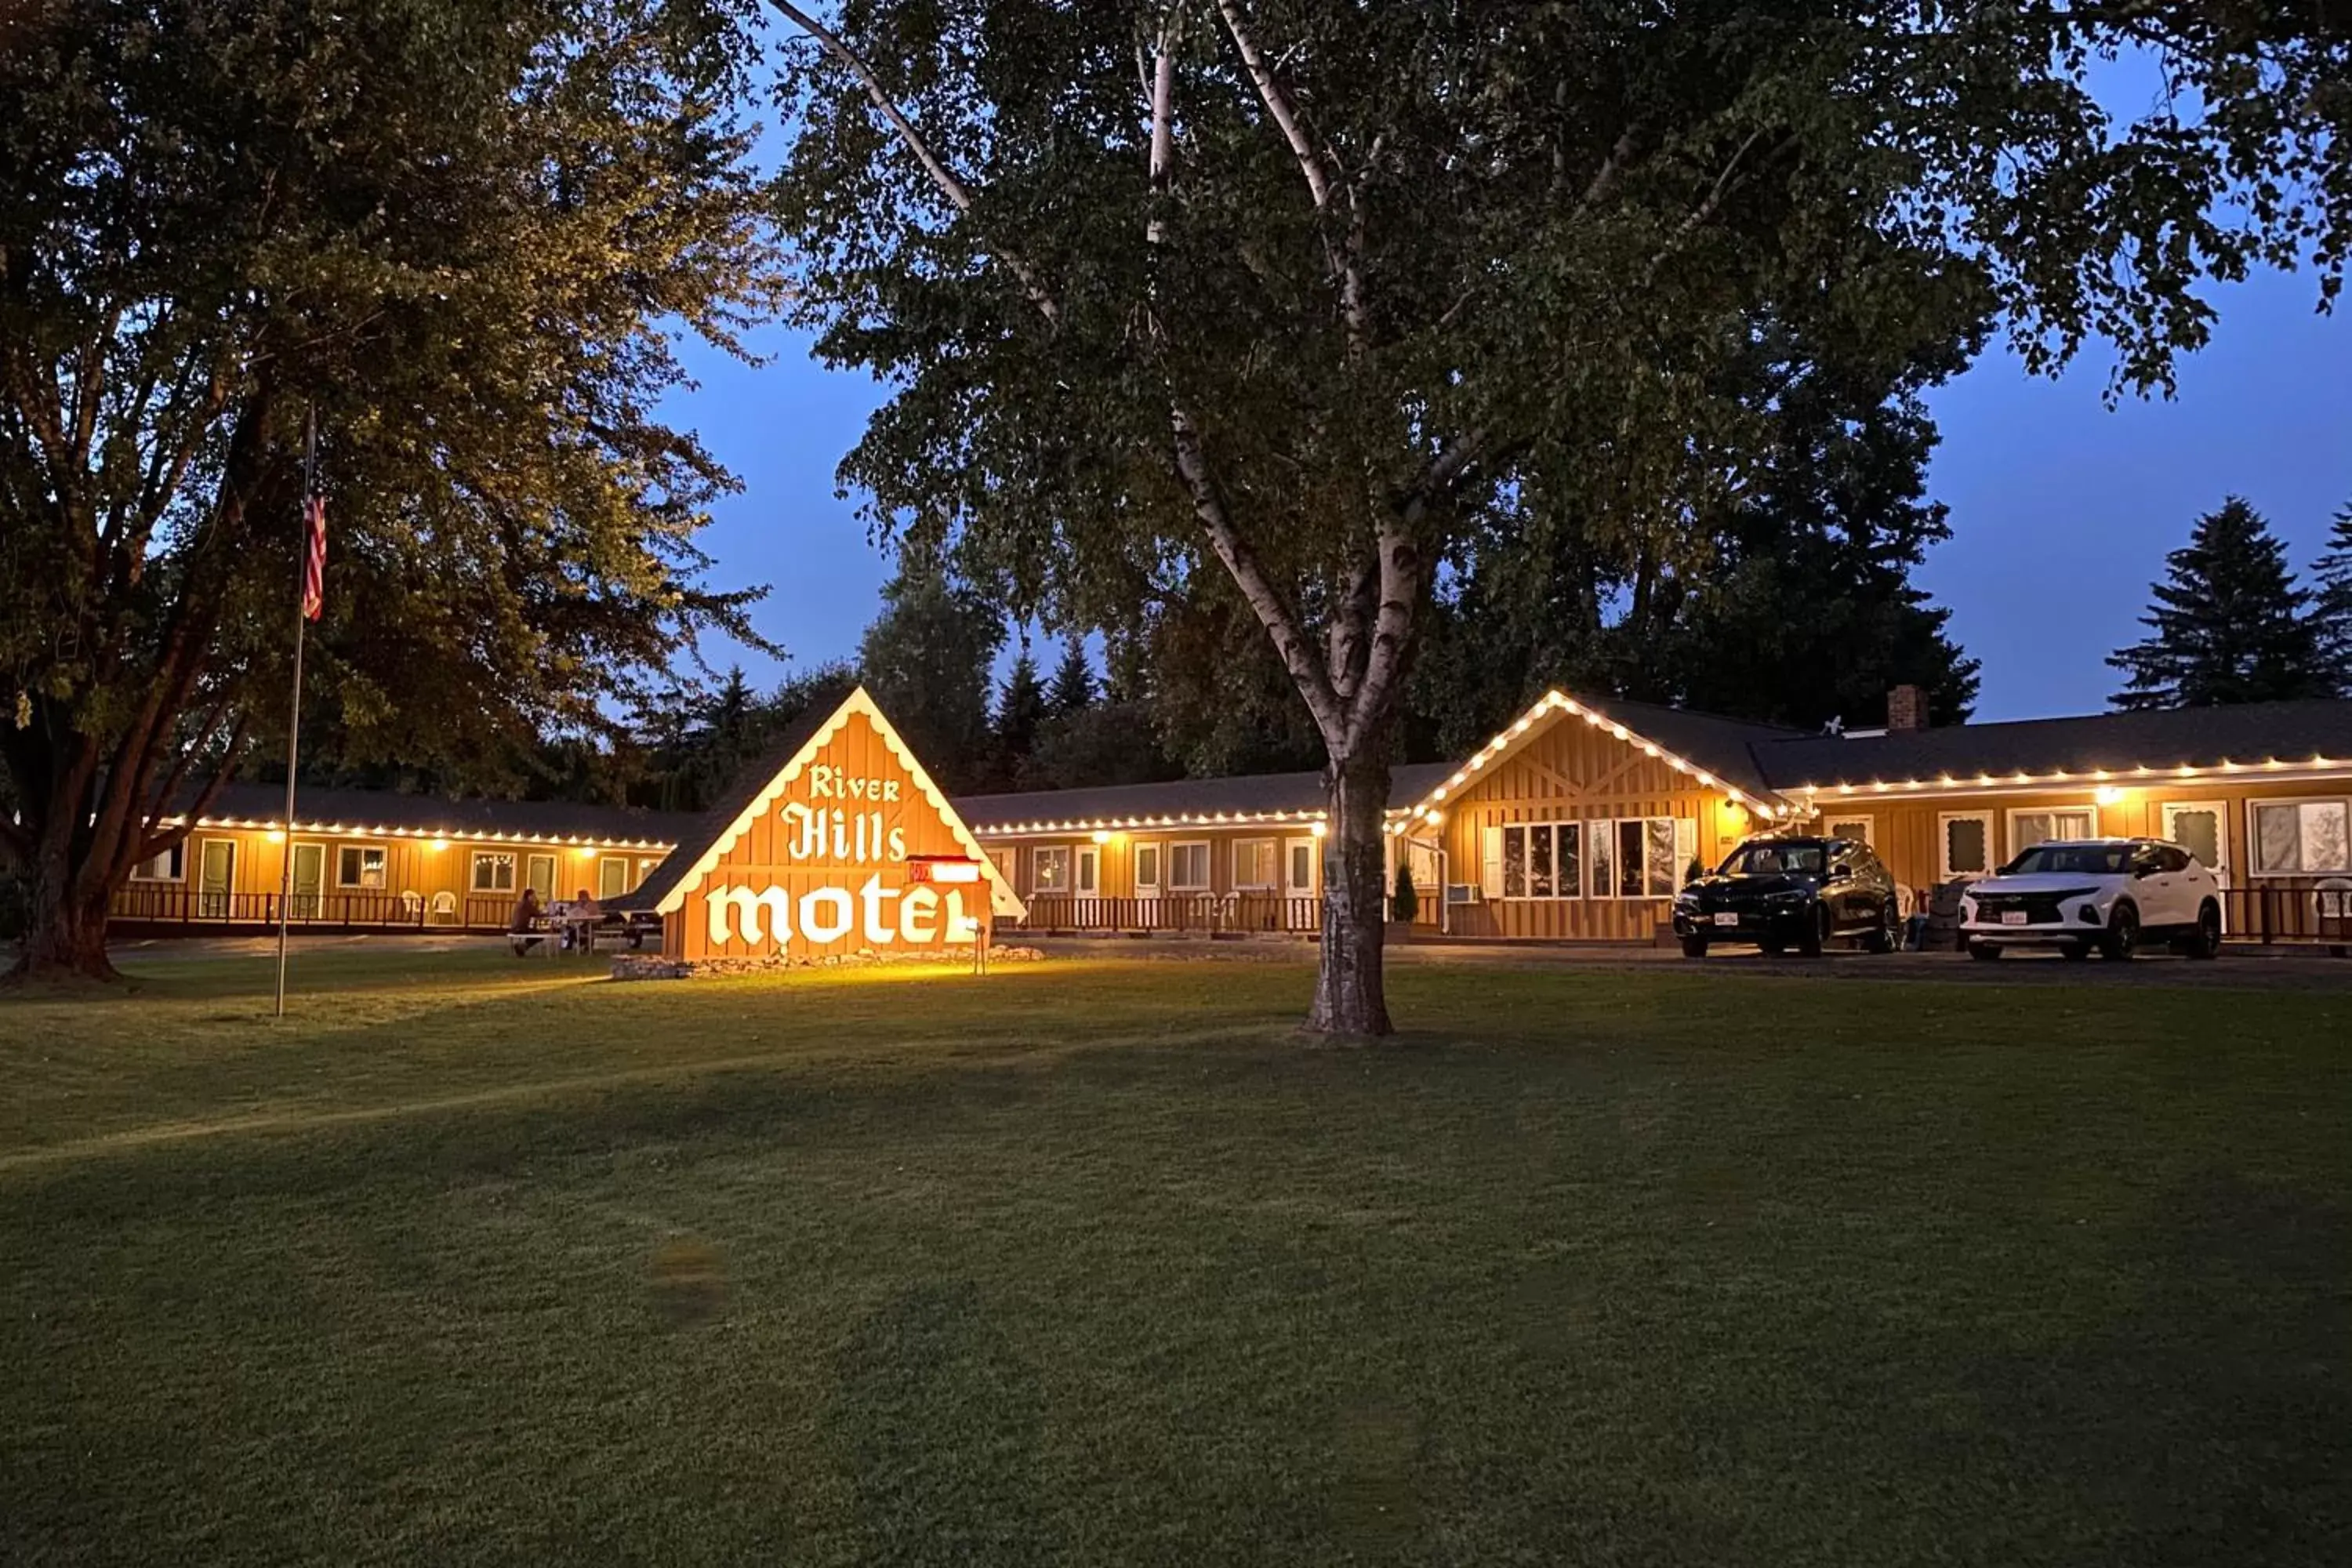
1002 899
1534 722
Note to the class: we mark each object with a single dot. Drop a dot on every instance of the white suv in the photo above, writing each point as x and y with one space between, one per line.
2109 893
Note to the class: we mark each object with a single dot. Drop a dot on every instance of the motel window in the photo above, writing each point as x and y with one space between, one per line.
2196 826
1090 870
2301 837
1302 864
539 874
1053 869
1640 856
170 866
494 871
1188 867
1964 845
612 877
2028 828
1147 869
1854 830
1543 860
1008 864
1254 863
360 866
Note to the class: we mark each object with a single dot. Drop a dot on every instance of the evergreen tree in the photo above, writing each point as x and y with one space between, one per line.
2230 624
1074 681
1022 710
2331 608
927 659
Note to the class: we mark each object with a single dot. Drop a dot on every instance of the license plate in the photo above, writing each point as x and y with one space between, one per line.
1727 920
2012 917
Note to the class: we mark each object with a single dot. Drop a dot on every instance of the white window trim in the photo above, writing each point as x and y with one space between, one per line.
1830 819
623 862
177 880
1159 853
344 887
1044 854
474 873
2089 808
2253 831
1266 885
2221 810
1944 819
1207 859
1086 871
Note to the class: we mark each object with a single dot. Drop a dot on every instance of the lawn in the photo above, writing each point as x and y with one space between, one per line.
1094 1263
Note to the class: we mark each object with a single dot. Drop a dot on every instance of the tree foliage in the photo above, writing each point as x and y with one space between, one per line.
2229 622
463 236
1301 291
927 659
2331 603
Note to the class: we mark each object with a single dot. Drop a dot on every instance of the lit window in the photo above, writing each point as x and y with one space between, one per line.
1188 867
170 866
2302 836
1053 869
494 871
360 866
1254 863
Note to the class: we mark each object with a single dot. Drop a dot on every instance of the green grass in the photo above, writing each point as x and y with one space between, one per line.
472 1261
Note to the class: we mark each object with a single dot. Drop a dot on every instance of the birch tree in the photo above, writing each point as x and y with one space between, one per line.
1291 290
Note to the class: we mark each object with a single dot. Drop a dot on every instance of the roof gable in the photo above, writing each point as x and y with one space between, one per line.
1717 752
692 862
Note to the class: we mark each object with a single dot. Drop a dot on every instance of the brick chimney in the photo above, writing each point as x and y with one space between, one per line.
1907 709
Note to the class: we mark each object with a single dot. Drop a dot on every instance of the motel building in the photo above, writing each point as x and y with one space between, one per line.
1578 823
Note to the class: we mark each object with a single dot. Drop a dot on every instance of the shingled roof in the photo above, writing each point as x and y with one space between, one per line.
1245 798
2248 734
415 816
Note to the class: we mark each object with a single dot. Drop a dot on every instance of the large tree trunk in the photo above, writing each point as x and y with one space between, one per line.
64 939
1349 998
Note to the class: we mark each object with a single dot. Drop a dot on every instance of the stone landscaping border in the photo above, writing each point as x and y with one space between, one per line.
654 967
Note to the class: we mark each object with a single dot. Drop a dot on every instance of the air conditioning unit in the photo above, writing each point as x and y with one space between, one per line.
1462 893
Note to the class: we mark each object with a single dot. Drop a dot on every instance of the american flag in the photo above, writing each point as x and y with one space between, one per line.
314 564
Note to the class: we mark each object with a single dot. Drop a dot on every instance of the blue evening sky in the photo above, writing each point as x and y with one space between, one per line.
2061 508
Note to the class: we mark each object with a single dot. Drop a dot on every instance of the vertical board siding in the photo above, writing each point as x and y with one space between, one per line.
761 856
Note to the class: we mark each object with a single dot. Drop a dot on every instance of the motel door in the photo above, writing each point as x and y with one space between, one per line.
216 879
310 881
2201 828
1298 868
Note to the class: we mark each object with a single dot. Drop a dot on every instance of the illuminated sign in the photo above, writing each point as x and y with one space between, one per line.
850 846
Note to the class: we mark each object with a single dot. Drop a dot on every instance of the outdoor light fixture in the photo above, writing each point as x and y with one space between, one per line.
275 836
1321 828
2108 794
438 845
1102 835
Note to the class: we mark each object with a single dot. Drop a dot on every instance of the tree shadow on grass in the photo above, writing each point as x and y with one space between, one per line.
939 1422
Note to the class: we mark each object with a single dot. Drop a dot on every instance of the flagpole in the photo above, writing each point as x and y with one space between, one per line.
294 714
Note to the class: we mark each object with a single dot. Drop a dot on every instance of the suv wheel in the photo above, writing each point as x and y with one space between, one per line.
1816 934
2121 940
1883 937
2206 942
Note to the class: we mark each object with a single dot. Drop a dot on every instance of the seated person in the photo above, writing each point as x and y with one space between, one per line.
578 916
525 918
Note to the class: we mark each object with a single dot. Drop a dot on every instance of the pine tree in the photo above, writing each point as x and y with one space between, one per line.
2331 609
2230 624
1021 711
1073 682
926 659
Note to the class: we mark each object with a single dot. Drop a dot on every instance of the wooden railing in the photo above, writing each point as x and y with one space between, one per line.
2273 915
152 905
1209 913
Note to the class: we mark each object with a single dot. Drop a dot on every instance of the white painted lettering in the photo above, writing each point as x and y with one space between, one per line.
820 927
871 898
919 916
746 906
